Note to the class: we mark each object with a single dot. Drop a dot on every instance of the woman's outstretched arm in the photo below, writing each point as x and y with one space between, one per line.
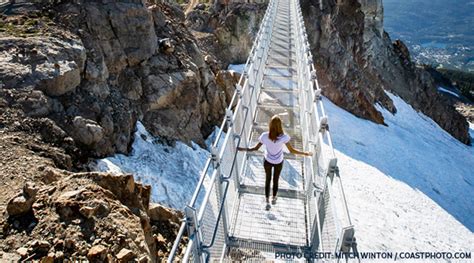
255 148
294 151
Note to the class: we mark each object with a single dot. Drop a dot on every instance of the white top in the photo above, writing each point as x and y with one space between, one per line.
274 149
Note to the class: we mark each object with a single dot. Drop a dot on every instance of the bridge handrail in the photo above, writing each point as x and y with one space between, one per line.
242 85
317 110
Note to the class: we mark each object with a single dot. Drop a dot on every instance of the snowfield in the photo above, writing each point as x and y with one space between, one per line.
409 186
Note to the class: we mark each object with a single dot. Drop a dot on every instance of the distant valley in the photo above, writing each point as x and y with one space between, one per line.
437 32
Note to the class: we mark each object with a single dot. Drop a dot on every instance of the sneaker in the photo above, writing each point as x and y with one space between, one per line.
274 200
268 206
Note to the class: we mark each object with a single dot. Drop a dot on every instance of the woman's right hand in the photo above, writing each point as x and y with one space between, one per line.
308 154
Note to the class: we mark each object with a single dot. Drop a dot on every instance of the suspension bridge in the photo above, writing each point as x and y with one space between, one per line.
226 219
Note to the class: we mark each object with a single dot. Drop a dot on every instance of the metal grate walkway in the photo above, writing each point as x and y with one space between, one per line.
227 219
284 223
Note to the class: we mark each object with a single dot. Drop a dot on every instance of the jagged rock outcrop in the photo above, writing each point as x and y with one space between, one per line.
357 61
238 30
227 33
96 67
94 216
51 214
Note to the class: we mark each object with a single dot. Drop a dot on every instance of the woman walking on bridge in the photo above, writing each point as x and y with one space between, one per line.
274 140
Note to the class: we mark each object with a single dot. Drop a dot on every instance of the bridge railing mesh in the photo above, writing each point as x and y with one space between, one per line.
327 208
211 207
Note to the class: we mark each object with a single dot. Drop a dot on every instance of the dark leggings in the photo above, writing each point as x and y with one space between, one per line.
276 176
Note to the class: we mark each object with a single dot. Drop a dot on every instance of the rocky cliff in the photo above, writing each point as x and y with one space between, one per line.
75 77
96 67
357 61
55 215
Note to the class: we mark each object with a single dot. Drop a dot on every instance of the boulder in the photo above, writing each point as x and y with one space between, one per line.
23 202
30 190
125 255
47 63
157 212
87 131
22 251
19 205
124 188
97 253
40 246
87 211
65 80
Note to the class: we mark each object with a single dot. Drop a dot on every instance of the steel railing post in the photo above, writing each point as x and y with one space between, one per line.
192 226
216 161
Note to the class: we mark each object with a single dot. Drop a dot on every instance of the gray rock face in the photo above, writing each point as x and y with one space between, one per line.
51 64
36 103
162 89
373 18
122 30
357 62
64 81
226 79
106 70
229 32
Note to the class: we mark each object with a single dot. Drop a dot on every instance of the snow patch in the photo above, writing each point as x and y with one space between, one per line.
237 68
448 91
173 172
